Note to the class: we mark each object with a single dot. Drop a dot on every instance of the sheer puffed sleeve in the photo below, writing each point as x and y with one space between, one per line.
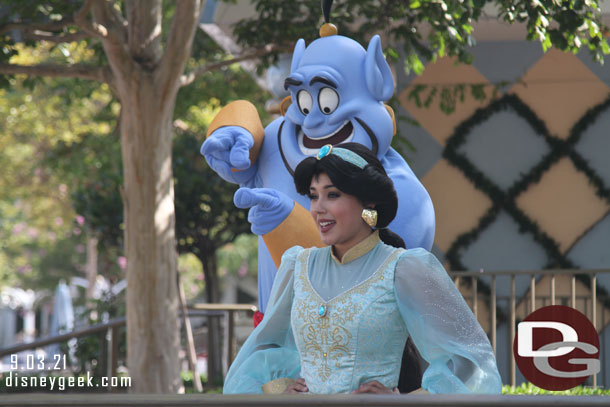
269 353
443 328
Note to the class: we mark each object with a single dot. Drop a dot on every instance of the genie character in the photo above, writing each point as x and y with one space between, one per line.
337 93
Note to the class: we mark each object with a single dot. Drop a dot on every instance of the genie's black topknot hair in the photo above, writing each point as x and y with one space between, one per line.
326 5
370 185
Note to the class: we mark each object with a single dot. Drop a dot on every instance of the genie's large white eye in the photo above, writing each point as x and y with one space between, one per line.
328 100
305 101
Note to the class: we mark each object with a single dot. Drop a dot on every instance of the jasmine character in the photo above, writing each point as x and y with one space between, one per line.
339 316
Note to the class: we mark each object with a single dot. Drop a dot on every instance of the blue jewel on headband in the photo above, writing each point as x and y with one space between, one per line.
324 151
344 153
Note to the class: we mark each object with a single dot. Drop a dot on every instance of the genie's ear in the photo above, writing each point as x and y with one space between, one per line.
377 71
296 55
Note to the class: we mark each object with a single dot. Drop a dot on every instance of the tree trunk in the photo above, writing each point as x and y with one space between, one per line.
146 78
212 292
152 299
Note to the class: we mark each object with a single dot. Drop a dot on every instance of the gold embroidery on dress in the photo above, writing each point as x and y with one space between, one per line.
326 339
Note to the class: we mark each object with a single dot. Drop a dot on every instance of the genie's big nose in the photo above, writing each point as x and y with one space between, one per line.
313 119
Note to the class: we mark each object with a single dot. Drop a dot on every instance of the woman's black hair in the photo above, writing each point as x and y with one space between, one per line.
370 185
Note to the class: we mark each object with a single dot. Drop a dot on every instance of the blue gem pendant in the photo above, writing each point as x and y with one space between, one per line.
322 311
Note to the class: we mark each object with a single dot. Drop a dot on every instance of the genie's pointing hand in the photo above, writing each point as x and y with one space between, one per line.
268 207
229 147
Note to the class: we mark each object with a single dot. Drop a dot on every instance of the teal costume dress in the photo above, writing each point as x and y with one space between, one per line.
341 323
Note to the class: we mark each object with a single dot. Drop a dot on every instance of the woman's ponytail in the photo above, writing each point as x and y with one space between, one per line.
390 238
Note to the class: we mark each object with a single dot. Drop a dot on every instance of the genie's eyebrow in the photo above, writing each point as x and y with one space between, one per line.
322 80
291 82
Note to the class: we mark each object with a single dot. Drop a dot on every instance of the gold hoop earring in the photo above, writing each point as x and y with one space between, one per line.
370 216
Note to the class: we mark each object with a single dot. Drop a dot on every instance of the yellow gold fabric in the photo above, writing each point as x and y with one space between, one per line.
360 249
277 386
391 112
298 229
419 391
243 114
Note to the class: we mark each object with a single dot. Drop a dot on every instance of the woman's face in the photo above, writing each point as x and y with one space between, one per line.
337 214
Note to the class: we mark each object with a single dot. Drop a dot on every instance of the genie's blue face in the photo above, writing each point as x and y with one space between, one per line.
337 91
319 110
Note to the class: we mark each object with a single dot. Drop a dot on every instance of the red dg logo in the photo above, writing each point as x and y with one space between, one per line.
556 348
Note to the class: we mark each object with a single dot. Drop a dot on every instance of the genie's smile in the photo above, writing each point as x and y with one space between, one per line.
310 146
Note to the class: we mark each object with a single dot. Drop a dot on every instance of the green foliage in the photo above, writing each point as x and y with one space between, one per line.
449 24
61 144
191 277
283 22
189 387
198 103
240 256
577 23
530 389
92 166
61 260
41 240
52 14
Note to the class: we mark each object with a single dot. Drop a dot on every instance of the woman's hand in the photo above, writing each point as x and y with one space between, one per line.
298 386
376 388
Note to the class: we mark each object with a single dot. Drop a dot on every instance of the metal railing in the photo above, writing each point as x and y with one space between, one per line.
527 304
108 333
230 309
